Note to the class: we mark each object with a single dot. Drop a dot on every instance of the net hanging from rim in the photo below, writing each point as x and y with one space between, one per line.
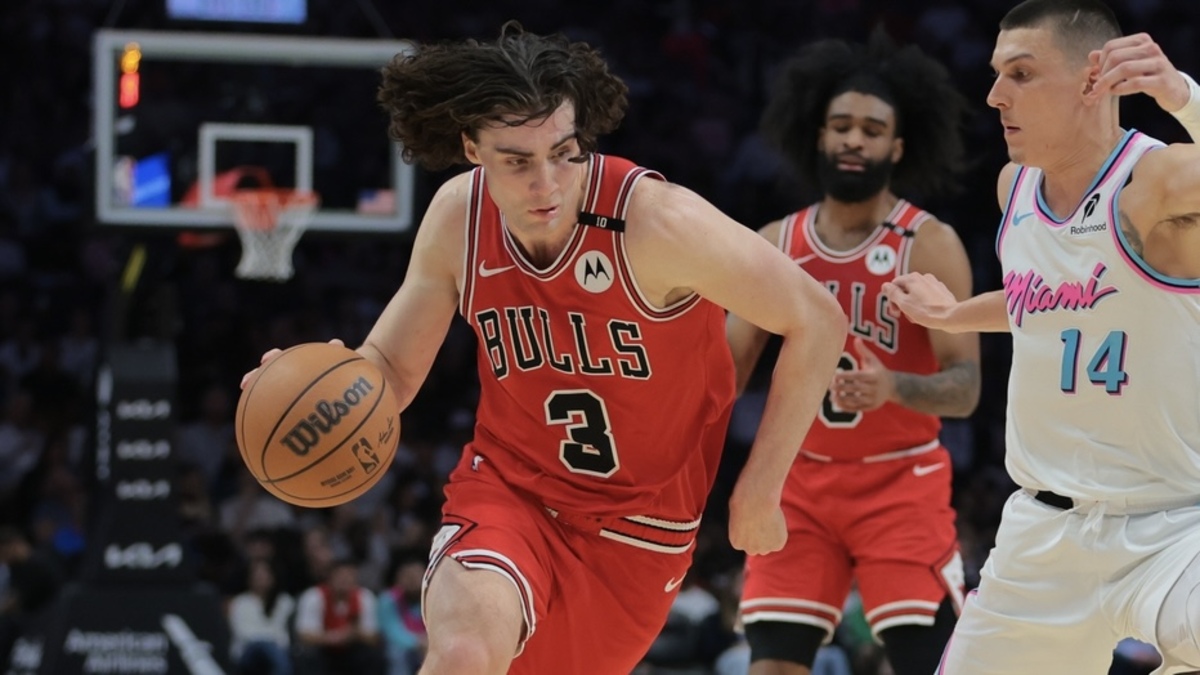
270 222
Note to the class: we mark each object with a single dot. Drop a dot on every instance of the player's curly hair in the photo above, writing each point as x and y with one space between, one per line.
930 112
439 91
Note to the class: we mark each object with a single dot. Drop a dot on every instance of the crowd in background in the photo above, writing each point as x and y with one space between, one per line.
698 72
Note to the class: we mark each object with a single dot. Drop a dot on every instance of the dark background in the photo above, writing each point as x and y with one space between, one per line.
699 72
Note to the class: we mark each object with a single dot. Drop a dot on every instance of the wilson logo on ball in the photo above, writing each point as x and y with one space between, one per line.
325 416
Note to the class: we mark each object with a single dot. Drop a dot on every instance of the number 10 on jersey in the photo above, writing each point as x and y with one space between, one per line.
1106 367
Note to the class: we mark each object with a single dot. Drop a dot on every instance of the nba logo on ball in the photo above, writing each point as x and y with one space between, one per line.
318 425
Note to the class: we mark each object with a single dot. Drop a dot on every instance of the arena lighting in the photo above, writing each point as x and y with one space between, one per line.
129 86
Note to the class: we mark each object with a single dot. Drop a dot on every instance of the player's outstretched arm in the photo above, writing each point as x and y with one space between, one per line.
927 302
410 331
747 340
1135 64
682 244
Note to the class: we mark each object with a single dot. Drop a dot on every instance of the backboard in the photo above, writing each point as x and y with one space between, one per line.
182 118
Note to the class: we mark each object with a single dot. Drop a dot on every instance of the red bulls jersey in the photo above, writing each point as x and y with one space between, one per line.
592 400
855 278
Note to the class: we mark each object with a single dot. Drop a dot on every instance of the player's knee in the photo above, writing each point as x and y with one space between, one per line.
462 652
784 641
917 650
1178 629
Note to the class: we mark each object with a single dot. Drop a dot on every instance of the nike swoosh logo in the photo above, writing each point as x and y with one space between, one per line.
1021 216
485 271
804 258
919 470
673 584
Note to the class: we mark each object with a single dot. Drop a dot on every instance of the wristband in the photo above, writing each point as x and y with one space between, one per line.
1189 114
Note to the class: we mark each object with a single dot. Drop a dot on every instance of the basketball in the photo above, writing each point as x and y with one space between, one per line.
317 425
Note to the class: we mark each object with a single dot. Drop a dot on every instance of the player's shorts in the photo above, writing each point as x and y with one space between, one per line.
887 525
1062 587
593 602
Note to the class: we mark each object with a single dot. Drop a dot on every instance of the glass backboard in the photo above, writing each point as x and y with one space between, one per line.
183 118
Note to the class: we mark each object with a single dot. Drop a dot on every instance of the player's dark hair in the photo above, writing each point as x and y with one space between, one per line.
439 91
930 112
1079 26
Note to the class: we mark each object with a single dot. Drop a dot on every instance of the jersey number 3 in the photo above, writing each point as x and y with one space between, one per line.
589 447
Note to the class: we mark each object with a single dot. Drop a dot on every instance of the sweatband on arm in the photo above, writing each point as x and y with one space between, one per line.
1189 114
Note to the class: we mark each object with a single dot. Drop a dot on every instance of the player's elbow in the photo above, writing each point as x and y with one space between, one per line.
826 321
963 405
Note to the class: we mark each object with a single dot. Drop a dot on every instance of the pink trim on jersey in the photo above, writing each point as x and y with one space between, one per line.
1112 170
1009 211
1135 264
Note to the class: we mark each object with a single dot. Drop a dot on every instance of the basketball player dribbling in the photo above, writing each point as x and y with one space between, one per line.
596 290
868 498
1100 251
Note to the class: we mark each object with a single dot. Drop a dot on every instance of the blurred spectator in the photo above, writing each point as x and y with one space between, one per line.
33 583
253 508
259 621
337 626
208 442
400 619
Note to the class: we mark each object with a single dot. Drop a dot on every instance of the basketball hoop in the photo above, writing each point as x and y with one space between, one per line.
270 222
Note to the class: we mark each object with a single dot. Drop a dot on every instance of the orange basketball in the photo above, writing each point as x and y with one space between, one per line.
318 425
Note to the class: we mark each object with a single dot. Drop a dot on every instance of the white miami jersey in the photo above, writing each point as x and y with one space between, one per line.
1104 394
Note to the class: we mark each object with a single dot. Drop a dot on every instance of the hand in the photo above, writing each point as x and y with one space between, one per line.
864 389
270 354
1135 64
923 299
756 523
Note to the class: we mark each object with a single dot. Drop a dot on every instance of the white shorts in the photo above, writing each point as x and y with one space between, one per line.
1061 588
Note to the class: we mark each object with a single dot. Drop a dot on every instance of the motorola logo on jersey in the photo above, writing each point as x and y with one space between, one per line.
594 272
881 260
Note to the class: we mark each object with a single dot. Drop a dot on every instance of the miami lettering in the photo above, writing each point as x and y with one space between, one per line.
525 337
325 416
1027 293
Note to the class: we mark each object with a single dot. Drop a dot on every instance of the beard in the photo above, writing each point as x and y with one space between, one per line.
853 187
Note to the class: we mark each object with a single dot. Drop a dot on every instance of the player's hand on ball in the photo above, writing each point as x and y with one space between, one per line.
272 353
756 525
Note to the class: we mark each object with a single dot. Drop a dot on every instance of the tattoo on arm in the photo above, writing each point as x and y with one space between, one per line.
1183 221
953 392
1131 234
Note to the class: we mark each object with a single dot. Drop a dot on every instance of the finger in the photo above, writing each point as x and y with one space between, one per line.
860 346
270 354
338 342
247 377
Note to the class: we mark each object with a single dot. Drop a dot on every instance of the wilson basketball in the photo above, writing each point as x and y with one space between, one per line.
317 425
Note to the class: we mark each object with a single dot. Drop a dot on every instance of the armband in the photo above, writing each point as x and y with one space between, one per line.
1189 114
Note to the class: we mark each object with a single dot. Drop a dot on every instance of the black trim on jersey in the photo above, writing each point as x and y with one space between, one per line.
603 222
899 229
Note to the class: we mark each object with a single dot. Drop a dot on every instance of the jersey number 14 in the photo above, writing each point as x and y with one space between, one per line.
1106 367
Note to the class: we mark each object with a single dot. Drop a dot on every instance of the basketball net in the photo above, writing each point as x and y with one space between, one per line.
270 222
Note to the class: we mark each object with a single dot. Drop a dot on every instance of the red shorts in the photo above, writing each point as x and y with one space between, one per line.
886 525
592 603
